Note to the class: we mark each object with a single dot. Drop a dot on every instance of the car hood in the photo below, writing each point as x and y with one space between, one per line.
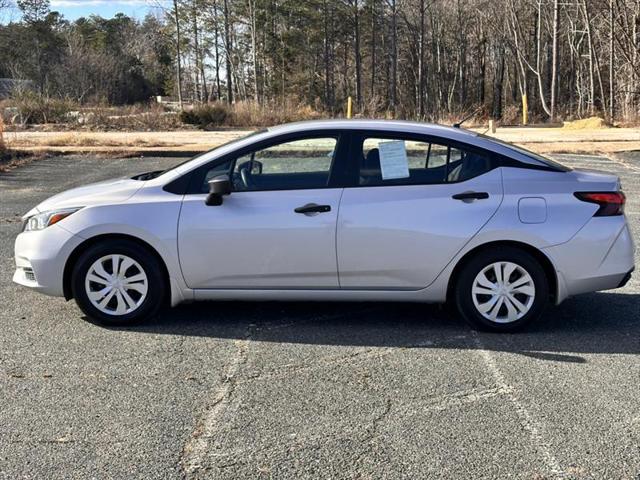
109 191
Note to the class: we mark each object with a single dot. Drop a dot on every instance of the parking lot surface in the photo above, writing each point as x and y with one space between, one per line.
300 390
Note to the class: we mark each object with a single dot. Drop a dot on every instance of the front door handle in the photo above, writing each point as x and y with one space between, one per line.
312 209
470 196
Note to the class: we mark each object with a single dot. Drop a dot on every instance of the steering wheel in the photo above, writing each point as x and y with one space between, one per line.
245 175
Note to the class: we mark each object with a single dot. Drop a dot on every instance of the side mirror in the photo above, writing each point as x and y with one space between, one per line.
218 187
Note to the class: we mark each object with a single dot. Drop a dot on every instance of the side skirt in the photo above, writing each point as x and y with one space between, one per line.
422 296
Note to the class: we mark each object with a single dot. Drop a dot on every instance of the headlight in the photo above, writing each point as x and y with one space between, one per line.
45 219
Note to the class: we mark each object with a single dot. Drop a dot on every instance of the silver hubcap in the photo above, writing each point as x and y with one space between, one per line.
503 292
116 284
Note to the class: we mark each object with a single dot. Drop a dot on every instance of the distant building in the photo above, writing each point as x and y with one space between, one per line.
8 85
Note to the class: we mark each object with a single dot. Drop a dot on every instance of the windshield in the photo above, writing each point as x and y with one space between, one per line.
157 173
529 153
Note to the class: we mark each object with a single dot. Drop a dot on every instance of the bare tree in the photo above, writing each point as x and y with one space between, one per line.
612 97
227 49
554 62
176 15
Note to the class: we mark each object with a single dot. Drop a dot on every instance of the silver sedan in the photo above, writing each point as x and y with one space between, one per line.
336 210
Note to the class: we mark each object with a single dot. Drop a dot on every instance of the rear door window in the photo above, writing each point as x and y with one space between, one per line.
398 161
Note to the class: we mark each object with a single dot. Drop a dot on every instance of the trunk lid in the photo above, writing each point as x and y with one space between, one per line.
595 180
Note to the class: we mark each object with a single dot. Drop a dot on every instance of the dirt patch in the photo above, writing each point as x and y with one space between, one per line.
586 123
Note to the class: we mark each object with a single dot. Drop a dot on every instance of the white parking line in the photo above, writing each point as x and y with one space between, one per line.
197 446
583 161
526 419
621 162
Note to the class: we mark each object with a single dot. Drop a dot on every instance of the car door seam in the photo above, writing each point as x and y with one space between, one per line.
336 239
457 254
184 279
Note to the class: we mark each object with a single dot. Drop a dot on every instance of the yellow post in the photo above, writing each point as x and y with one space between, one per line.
349 106
525 110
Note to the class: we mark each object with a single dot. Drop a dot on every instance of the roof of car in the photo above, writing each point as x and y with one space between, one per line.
461 135
366 124
450 133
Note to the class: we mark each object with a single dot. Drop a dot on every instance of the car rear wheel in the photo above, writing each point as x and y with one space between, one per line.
118 282
502 290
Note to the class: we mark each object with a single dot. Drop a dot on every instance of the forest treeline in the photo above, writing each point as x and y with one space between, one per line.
420 59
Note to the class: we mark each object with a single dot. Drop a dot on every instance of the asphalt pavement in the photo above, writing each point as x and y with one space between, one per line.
300 390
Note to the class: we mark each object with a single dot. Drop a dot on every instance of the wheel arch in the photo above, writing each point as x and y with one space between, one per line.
75 254
544 260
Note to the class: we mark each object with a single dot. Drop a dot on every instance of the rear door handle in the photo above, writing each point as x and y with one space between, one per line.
313 208
470 196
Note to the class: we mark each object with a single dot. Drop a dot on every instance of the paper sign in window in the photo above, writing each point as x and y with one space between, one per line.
393 160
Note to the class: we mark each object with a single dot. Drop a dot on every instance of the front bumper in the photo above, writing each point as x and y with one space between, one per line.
41 257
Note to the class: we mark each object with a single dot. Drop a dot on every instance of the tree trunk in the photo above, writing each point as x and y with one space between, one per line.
394 54
227 48
372 69
328 67
179 60
201 81
612 97
356 21
216 49
462 53
592 83
543 101
421 73
554 61
498 84
254 48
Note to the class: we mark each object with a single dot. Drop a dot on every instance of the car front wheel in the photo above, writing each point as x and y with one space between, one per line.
502 290
118 282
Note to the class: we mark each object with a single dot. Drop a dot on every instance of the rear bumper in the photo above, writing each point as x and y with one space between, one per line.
40 258
599 257
626 278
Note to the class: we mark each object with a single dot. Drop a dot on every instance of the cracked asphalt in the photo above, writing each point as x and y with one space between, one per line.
301 390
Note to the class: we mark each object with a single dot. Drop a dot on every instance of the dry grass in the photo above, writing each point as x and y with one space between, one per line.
12 159
83 139
137 118
541 140
590 123
248 114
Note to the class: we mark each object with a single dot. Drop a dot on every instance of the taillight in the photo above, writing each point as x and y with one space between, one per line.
611 203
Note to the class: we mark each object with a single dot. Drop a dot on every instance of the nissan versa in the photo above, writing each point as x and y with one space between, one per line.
336 210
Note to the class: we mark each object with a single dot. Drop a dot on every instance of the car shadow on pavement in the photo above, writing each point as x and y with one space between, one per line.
587 324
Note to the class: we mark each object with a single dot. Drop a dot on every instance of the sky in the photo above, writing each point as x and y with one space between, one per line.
73 9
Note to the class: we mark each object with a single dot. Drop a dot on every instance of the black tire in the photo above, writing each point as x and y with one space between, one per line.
156 282
464 298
